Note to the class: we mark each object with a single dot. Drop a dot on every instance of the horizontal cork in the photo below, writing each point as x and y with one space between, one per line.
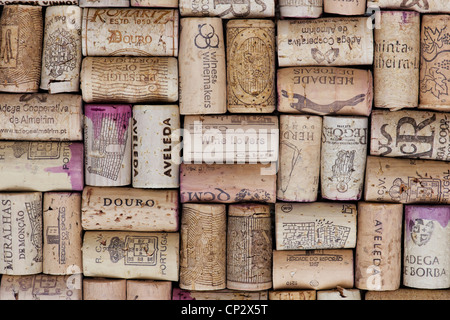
228 9
408 294
104 289
227 183
43 3
41 287
431 5
292 295
41 166
104 3
41 117
130 32
312 269
345 41
154 3
344 7
339 294
406 181
149 290
410 134
131 255
300 90
224 294
316 225
230 139
300 8
129 79
123 208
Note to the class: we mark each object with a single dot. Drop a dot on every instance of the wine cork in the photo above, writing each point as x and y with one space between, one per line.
61 57
43 3
107 139
104 3
203 247
251 66
410 134
41 287
129 79
130 32
396 60
154 3
122 208
104 289
21 29
41 166
224 294
317 225
419 6
249 247
227 183
300 8
378 249
344 7
41 117
426 256
343 157
435 63
312 269
229 9
156 146
408 294
292 295
339 294
62 233
407 181
230 139
299 160
202 48
331 41
300 90
131 255
21 225
149 290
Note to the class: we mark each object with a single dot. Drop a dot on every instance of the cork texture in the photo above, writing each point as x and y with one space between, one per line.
300 8
228 9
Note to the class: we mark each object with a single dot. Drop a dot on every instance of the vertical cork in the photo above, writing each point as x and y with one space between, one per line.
21 241
343 157
344 7
21 48
41 287
202 48
312 269
406 181
156 146
299 160
378 248
251 66
149 290
129 79
249 247
62 233
61 57
104 289
434 85
300 8
396 60
107 139
426 255
203 247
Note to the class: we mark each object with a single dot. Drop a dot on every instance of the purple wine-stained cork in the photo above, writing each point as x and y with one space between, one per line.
94 111
180 294
438 213
74 168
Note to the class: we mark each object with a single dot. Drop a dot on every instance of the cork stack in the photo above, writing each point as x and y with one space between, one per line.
224 150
